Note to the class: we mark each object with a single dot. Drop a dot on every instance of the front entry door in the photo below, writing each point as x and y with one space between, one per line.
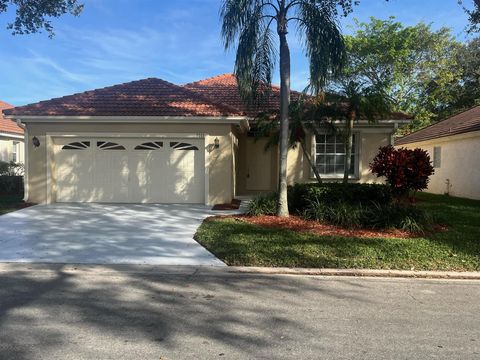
259 165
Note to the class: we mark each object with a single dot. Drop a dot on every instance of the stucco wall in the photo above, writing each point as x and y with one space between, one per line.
219 161
460 163
299 170
6 146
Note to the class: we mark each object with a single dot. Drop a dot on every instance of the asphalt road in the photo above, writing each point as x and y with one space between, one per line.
58 312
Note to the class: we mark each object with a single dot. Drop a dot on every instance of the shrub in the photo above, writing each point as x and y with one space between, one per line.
11 169
405 170
301 195
11 187
263 205
372 216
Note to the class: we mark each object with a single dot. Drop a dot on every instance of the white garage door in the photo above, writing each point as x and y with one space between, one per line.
129 170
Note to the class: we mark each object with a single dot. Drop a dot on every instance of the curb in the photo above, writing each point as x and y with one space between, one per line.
453 275
194 270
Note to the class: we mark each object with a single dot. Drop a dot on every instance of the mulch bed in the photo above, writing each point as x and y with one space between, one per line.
234 205
296 223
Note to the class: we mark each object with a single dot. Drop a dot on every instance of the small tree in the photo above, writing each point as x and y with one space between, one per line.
405 170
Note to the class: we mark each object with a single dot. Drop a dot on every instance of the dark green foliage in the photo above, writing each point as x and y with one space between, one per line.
263 205
32 16
352 206
300 195
370 215
11 187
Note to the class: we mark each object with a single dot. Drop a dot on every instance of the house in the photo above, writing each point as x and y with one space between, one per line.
454 147
150 141
11 138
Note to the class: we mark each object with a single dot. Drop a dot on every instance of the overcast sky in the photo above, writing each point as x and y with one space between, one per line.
179 41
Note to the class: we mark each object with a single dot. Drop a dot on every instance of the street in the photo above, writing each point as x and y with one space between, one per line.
132 312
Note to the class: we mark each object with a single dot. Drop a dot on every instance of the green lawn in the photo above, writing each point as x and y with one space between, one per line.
458 248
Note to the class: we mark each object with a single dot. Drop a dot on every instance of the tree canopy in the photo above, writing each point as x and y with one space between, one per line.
414 67
33 16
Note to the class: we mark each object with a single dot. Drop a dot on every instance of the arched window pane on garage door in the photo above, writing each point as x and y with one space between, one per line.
107 145
77 145
182 146
153 145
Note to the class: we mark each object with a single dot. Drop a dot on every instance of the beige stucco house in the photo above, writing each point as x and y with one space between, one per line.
11 138
454 147
151 141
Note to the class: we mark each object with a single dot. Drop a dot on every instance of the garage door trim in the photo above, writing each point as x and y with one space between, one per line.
51 154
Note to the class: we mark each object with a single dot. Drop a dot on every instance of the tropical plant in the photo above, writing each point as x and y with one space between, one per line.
32 16
307 115
247 25
405 170
357 101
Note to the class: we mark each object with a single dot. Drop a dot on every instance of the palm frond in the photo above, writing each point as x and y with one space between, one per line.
324 43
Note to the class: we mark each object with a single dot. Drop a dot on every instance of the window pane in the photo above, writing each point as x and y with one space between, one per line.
340 148
321 168
340 159
321 159
330 169
320 148
339 169
330 159
330 148
330 139
320 139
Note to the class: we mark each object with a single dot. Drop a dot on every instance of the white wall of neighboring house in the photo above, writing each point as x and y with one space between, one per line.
12 149
457 164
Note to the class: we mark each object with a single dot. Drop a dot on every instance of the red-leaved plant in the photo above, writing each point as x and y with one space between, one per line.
405 170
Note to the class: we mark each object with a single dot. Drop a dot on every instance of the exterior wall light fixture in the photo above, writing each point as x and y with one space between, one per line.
35 142
217 143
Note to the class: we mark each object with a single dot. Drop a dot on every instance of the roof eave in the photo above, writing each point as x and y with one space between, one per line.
131 119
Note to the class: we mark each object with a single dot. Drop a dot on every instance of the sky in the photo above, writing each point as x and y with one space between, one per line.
116 41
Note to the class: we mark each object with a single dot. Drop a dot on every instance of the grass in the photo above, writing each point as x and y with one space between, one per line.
458 248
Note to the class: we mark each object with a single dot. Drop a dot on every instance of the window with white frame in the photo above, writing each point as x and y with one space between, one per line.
437 157
14 151
330 155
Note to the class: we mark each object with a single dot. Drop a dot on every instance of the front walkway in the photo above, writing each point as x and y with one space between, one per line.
105 234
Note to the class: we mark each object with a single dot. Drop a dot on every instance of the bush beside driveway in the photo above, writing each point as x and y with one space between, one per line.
240 243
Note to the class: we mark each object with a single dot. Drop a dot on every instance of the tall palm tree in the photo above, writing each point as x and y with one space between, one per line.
247 24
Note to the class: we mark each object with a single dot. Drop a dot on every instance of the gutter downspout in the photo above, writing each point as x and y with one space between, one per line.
25 166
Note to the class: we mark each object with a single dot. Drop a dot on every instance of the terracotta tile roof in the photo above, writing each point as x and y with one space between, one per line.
224 88
464 122
148 97
7 125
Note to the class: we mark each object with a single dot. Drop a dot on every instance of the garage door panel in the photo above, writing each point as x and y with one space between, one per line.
110 176
147 178
73 169
130 170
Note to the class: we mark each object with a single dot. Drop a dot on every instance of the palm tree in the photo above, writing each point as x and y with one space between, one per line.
247 24
358 102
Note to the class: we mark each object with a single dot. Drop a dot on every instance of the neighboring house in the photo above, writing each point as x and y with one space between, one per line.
454 148
11 138
153 141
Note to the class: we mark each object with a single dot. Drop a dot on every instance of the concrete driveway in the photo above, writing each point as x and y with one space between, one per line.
105 234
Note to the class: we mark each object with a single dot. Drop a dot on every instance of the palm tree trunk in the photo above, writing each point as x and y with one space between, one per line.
284 126
310 162
348 148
